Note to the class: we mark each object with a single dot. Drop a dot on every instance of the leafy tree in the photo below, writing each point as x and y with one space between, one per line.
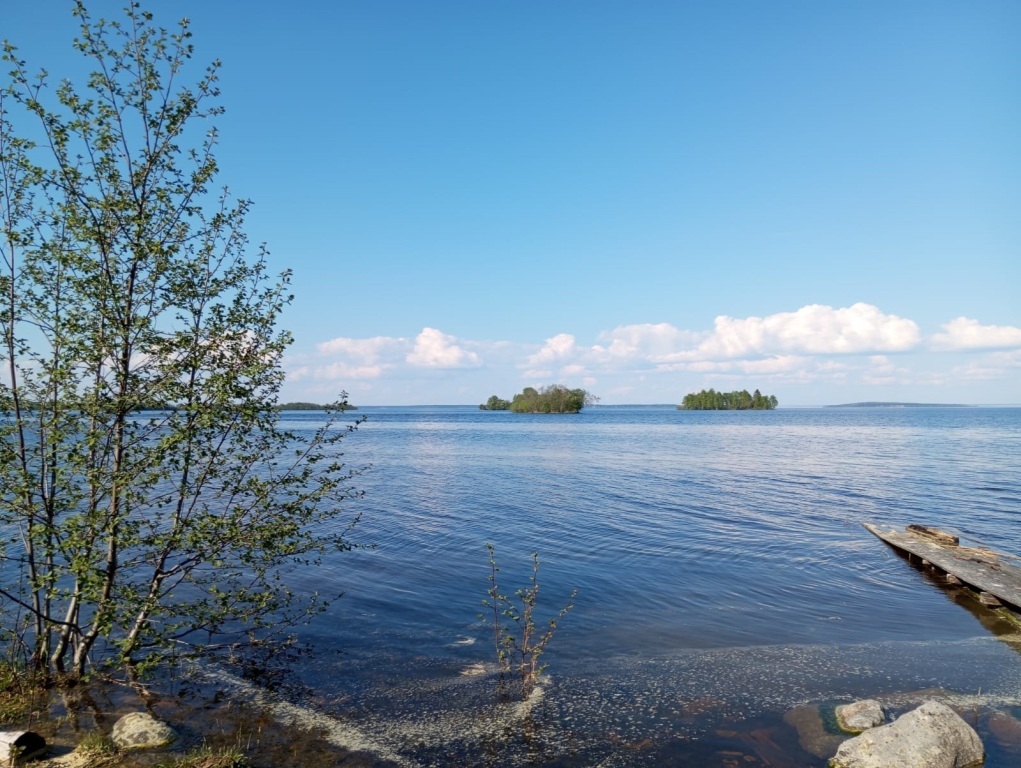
126 283
495 403
303 406
711 400
555 398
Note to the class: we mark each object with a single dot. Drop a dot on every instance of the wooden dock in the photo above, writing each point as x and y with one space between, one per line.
995 577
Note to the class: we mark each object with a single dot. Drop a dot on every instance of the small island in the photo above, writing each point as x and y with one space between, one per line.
898 405
555 398
495 403
711 400
302 406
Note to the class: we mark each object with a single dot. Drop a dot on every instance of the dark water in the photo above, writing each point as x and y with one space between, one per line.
723 577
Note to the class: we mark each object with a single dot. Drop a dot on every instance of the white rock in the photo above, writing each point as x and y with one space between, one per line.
932 736
860 716
140 730
18 746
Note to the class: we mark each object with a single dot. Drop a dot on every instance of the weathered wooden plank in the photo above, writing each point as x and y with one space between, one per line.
940 537
980 569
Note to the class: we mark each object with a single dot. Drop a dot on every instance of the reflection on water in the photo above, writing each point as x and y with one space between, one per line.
724 575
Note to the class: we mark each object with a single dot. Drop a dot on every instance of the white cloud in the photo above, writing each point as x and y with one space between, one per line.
557 347
349 359
965 333
815 329
880 365
337 371
353 359
997 365
767 366
772 365
857 345
832 366
435 349
779 343
976 371
536 373
1011 359
649 341
363 350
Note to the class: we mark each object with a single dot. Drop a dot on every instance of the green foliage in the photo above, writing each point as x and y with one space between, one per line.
555 398
302 406
21 692
711 400
209 757
96 744
494 403
519 644
125 283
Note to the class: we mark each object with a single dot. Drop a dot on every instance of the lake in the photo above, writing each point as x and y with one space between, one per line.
724 580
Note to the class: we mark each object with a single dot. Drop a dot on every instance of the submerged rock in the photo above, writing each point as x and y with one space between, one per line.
1006 729
931 736
860 715
813 736
140 730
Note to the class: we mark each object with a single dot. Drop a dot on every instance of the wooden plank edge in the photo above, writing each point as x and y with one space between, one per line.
1006 604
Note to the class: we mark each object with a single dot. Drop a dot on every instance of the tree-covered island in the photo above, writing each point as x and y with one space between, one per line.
303 406
295 406
711 400
555 398
495 403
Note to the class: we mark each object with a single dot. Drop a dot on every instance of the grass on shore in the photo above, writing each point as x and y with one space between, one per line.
214 732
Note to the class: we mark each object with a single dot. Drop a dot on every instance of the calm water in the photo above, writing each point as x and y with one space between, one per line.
723 576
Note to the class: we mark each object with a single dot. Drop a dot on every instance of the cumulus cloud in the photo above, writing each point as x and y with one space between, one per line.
372 358
812 344
559 347
881 370
965 333
977 371
766 366
1011 359
813 329
435 349
997 365
337 372
651 341
363 350
782 343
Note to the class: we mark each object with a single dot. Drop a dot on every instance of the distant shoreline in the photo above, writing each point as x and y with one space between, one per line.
673 406
899 405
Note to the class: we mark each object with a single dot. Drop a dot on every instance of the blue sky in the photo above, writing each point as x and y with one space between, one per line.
819 200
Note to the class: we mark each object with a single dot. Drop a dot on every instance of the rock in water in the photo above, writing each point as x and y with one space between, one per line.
860 716
140 730
812 734
932 736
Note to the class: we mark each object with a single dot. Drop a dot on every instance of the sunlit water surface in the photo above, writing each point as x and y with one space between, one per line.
723 575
